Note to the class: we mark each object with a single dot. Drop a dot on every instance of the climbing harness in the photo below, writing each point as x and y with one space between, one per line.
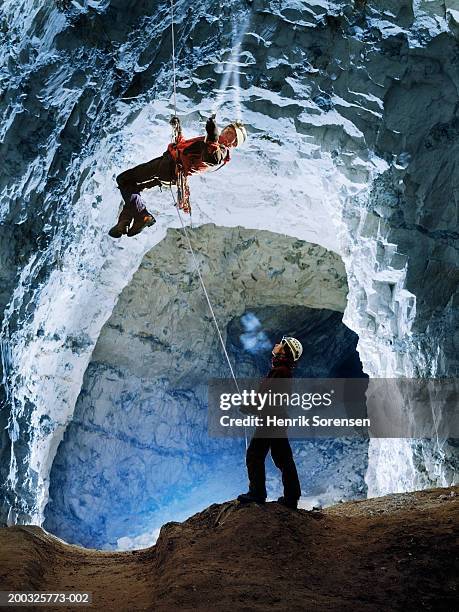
182 202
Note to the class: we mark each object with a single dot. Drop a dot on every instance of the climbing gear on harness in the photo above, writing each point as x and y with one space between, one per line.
141 221
294 345
183 190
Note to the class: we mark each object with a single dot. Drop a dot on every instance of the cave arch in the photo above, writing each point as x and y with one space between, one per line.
137 446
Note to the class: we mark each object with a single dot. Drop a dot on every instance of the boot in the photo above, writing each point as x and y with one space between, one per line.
141 221
288 503
247 498
124 221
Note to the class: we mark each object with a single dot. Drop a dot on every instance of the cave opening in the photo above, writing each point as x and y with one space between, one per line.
136 454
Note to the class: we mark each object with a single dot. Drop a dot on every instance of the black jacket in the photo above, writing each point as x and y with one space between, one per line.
277 380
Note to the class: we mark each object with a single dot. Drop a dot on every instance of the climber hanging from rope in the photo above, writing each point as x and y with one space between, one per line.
182 159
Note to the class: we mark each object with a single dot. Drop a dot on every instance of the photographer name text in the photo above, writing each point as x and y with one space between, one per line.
300 421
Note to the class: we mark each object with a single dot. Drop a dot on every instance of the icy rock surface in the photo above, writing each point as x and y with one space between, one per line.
352 110
137 453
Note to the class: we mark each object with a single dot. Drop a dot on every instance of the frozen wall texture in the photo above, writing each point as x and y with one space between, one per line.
352 110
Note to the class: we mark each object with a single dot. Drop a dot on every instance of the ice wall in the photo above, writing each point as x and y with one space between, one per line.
352 113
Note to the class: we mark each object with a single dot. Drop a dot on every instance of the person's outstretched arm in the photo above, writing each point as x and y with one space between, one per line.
214 153
211 130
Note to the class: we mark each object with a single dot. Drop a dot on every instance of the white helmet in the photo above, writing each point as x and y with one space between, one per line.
294 345
241 132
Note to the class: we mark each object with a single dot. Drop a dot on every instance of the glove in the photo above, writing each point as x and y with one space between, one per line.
211 129
175 123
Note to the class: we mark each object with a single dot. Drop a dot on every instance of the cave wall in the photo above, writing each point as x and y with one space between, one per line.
352 113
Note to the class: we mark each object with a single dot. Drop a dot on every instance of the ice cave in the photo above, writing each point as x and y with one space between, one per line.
336 221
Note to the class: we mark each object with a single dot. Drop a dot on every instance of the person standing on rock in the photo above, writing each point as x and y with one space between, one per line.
195 155
284 355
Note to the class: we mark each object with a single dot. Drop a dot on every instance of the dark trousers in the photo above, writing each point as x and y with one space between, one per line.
144 176
281 452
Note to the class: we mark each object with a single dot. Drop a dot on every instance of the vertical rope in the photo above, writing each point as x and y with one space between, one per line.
190 247
212 312
209 303
173 57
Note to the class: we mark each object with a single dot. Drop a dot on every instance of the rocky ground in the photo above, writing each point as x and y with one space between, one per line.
391 553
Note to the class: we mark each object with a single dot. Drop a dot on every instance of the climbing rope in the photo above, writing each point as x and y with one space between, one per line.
182 202
209 303
173 57
183 190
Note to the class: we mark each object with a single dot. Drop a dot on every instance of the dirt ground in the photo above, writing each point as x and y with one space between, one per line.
397 552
